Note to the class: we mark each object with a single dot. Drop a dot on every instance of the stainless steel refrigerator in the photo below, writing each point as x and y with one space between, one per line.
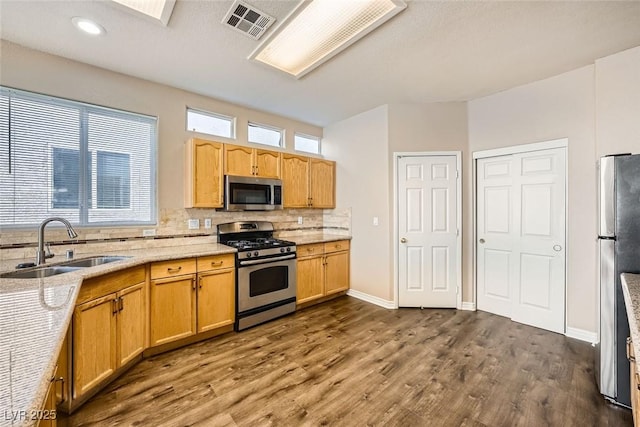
619 241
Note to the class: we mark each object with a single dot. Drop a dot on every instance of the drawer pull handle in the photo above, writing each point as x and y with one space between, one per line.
310 249
629 357
173 270
62 396
338 246
214 263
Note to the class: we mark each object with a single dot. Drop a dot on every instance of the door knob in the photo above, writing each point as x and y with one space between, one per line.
403 240
557 248
481 240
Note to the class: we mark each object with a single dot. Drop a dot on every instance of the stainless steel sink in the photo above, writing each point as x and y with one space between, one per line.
54 270
93 261
39 272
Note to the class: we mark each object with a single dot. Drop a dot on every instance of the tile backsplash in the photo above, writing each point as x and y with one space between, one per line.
172 223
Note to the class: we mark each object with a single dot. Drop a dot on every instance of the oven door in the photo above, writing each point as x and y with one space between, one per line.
265 282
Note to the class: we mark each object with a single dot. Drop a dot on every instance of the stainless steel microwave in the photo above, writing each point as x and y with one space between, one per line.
243 193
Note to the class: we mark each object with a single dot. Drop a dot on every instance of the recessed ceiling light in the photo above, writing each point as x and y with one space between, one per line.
88 26
317 30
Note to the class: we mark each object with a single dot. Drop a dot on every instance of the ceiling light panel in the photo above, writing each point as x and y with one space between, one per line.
317 30
157 9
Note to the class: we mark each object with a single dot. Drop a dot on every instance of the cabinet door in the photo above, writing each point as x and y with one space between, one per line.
131 323
268 163
48 413
238 160
322 183
336 272
204 174
295 181
172 311
310 279
94 343
216 299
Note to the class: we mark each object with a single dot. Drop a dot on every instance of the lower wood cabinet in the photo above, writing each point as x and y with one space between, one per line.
216 299
322 270
173 308
108 332
47 417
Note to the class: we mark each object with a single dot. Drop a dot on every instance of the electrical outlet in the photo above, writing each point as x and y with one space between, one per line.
375 220
193 224
300 220
149 232
207 223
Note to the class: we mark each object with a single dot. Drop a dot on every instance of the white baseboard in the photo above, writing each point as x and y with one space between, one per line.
371 299
470 306
582 335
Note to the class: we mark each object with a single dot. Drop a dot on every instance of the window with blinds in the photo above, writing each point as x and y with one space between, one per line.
88 164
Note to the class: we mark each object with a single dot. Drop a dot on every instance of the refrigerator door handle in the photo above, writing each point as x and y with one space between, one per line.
614 238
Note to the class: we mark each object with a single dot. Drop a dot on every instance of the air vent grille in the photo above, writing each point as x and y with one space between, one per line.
248 20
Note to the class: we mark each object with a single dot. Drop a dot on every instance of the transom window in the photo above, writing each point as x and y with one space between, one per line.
89 164
306 143
264 134
210 123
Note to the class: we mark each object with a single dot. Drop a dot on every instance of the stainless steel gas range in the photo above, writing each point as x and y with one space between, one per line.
265 272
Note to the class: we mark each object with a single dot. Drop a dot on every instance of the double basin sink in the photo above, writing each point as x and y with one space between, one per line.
67 267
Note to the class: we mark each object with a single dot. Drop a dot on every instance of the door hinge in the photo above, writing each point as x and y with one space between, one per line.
457 231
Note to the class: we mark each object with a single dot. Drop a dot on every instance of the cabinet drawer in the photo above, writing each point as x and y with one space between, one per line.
216 262
173 268
341 245
310 250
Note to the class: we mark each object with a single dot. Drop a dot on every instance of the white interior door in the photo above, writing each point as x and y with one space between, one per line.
427 227
521 237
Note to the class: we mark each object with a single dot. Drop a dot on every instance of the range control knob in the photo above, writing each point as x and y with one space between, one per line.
288 249
281 250
255 253
249 255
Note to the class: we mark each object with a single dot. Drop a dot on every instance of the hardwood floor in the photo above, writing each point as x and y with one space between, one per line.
350 363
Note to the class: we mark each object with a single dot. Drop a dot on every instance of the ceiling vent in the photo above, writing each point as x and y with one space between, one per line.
248 20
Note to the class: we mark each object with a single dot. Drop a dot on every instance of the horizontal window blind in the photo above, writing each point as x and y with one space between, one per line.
88 164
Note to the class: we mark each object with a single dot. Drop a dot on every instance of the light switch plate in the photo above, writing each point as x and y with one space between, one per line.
193 224
300 220
149 232
375 220
207 223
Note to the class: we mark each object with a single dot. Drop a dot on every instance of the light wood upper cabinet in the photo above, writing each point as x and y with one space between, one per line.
322 183
252 162
267 163
203 174
172 308
308 182
94 343
295 181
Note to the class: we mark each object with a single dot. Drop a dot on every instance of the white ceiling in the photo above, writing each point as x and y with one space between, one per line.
431 52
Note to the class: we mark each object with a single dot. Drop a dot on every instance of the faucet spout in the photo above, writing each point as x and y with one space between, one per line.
40 255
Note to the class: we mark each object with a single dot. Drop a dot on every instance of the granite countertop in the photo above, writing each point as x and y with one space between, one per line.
631 291
35 315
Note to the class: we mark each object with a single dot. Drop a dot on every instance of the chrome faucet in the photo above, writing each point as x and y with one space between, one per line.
40 255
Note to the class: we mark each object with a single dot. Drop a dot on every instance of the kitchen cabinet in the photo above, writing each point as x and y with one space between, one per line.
173 300
322 270
109 330
252 162
204 184
216 295
308 182
47 416
184 303
635 393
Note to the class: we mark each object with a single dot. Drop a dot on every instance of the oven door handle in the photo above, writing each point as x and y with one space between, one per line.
266 260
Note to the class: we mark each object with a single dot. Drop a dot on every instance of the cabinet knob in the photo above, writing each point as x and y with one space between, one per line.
403 240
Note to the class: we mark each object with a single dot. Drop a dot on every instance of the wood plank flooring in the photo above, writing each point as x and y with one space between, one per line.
350 363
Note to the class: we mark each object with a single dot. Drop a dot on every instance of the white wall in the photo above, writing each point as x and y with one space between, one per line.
559 107
618 103
360 146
